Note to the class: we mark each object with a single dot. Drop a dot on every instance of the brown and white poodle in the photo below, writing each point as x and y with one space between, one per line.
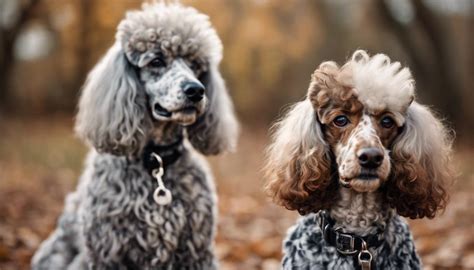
354 156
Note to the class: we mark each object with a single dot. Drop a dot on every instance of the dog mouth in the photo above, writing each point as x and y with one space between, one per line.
159 110
368 176
365 181
184 116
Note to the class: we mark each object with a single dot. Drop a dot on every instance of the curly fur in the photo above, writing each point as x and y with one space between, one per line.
421 156
299 163
310 157
111 221
305 248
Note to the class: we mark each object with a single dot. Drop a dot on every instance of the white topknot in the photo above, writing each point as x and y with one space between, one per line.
381 84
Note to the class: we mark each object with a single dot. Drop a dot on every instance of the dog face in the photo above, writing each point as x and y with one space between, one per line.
362 115
174 91
360 129
360 140
172 71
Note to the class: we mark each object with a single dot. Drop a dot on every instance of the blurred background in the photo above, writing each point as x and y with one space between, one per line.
270 49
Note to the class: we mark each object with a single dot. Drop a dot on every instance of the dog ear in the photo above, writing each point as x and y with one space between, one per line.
421 163
112 113
298 166
217 129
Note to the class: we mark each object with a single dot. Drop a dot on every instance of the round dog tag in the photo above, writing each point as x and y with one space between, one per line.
162 196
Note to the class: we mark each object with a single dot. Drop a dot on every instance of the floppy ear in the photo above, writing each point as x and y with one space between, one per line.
112 113
298 166
216 130
421 165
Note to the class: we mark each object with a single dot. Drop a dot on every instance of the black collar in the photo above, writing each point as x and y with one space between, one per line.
347 243
169 153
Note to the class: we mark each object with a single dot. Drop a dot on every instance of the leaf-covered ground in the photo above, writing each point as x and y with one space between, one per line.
41 160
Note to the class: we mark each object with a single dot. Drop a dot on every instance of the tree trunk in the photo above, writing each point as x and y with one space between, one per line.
437 75
7 41
6 63
447 80
83 51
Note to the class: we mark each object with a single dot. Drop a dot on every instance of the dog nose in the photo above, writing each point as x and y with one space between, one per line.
194 91
370 158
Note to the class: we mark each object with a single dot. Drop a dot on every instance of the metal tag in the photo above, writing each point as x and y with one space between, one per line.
162 195
365 259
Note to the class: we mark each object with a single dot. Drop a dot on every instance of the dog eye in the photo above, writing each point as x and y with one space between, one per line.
387 122
194 65
341 120
157 63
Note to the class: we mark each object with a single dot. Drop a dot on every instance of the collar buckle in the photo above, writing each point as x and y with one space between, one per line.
345 244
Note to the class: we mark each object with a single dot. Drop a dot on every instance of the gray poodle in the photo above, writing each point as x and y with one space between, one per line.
146 199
